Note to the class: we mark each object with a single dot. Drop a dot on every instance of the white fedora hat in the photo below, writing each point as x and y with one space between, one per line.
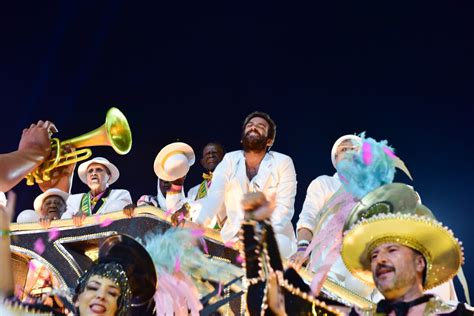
40 198
173 161
338 142
82 170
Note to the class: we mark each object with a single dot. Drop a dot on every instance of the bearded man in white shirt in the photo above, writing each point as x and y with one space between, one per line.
254 168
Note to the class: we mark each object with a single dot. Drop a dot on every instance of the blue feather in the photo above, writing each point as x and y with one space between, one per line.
359 178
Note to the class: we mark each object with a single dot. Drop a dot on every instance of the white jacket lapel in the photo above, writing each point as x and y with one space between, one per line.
264 173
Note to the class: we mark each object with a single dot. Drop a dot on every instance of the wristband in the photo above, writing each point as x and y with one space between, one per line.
300 249
303 243
4 233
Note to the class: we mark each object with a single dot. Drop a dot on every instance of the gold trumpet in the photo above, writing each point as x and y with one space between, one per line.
115 132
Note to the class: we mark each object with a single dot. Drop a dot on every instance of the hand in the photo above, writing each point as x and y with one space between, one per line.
257 207
298 260
45 222
129 210
78 218
37 137
276 300
179 216
6 212
61 178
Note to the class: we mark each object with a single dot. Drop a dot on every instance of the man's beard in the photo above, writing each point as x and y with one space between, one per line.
254 143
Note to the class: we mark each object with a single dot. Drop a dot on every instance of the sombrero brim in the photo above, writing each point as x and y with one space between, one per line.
440 248
167 151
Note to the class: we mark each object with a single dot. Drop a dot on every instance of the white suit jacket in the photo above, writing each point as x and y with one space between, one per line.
276 174
116 201
193 192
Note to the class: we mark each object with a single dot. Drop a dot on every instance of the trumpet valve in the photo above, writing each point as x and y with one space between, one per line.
30 180
46 176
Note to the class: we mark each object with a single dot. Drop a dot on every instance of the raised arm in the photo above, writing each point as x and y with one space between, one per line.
33 149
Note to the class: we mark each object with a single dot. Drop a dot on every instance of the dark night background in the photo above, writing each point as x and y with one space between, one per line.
193 71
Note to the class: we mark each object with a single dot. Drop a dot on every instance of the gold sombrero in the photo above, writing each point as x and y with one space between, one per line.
413 227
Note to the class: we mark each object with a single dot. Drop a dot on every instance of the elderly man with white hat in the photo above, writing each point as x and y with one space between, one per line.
171 167
319 192
98 173
48 206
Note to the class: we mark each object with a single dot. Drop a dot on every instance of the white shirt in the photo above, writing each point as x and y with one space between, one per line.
276 174
116 201
319 192
192 193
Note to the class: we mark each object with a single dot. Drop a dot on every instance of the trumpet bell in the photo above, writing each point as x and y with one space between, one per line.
118 131
115 133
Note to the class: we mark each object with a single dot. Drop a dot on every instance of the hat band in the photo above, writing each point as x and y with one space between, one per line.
168 155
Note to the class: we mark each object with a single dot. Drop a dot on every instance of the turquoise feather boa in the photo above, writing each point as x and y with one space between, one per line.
372 166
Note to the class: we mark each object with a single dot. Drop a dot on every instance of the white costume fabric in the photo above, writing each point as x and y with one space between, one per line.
173 200
319 192
276 175
192 193
115 201
27 216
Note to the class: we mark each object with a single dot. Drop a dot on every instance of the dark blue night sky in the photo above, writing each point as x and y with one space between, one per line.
193 71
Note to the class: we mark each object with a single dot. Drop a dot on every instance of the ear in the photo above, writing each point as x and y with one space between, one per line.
270 142
420 263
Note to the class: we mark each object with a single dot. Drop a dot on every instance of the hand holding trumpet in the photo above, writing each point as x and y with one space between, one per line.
34 147
37 137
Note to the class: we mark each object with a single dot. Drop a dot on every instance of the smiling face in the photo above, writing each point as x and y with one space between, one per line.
98 177
255 135
212 154
100 297
53 207
396 269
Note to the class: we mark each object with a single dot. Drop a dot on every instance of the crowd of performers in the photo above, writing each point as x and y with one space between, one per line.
357 228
